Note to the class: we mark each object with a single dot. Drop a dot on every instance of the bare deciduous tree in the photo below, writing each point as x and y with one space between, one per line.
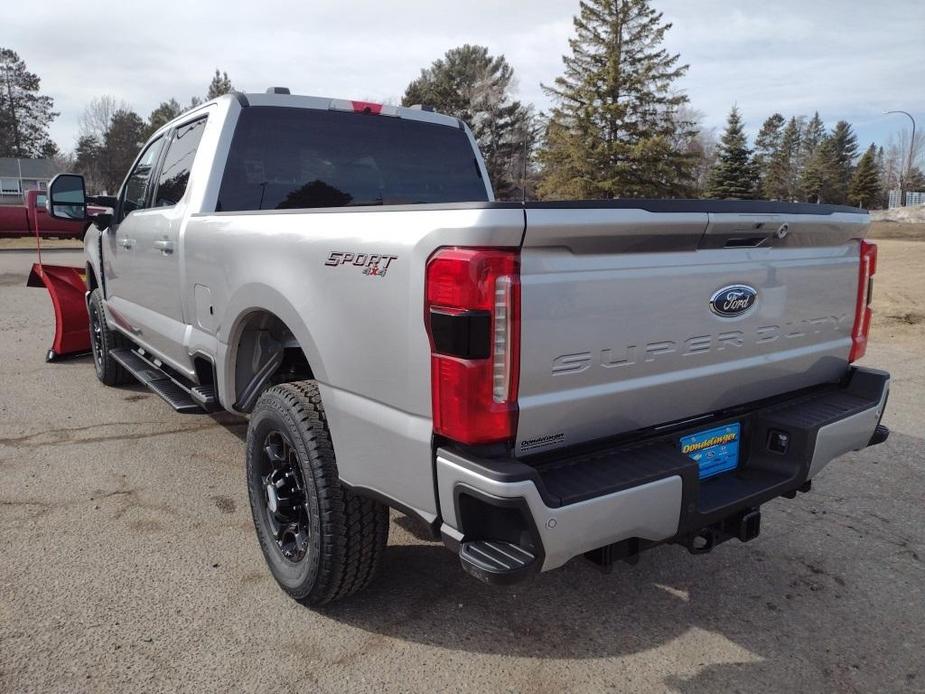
97 116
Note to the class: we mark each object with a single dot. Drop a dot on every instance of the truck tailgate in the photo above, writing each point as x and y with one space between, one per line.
618 332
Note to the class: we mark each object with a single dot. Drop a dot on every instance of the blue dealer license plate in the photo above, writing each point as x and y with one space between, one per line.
714 450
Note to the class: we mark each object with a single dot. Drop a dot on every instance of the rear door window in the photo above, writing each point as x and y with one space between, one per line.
293 158
174 175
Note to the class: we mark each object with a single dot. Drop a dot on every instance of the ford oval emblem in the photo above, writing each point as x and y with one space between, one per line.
733 300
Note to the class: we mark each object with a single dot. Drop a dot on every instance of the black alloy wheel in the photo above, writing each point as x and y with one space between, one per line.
286 505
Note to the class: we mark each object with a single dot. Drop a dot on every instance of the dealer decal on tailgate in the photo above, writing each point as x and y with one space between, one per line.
714 450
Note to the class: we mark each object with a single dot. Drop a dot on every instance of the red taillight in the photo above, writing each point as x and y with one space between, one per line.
863 314
475 294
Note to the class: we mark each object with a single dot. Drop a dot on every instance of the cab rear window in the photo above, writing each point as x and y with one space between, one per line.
294 158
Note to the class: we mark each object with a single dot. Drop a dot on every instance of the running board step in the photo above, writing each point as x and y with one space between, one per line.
205 397
148 374
497 562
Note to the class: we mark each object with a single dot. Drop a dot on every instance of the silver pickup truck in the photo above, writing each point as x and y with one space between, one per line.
534 382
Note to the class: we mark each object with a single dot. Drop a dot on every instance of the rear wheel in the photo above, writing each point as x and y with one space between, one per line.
321 541
103 340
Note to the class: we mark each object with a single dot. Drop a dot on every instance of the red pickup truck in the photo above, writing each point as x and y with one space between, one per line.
23 220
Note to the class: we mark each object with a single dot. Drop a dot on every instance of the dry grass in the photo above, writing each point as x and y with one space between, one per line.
904 231
899 288
29 242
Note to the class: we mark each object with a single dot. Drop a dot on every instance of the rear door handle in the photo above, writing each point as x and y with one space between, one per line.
165 246
126 243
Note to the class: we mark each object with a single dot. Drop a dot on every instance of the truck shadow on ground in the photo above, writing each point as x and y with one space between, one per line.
423 595
720 625
787 609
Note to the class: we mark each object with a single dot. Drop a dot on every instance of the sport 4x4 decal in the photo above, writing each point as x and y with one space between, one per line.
371 264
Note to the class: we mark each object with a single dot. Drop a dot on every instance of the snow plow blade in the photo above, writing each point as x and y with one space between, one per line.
67 287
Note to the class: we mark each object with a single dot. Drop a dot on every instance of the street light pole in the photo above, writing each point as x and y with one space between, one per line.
902 201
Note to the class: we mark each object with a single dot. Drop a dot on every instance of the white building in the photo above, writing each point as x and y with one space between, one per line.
18 176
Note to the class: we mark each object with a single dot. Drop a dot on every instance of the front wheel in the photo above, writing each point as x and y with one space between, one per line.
103 340
321 541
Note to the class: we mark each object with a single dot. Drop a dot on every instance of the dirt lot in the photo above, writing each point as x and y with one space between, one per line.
899 290
128 560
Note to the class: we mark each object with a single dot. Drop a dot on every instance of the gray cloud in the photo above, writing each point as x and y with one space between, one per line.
848 59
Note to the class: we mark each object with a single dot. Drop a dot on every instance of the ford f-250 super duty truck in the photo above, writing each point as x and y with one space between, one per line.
533 381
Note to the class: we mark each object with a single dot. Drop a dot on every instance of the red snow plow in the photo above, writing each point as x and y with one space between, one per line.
67 287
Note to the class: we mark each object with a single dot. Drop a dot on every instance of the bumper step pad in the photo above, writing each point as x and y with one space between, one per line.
148 374
496 562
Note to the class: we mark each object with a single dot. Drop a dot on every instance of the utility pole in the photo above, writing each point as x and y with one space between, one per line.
9 92
904 179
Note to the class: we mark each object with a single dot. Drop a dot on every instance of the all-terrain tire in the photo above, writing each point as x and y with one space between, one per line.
346 533
103 341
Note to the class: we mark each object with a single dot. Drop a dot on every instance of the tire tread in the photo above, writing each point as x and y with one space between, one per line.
113 373
354 528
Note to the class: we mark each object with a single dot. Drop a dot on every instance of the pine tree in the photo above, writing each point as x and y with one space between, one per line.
163 114
781 177
915 181
25 114
733 175
811 137
819 181
475 86
616 120
790 149
770 164
88 161
220 84
123 140
769 138
864 190
884 196
844 152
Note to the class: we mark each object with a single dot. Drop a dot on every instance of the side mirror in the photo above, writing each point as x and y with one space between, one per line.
67 197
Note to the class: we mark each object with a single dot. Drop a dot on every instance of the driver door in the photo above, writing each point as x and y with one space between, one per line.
142 277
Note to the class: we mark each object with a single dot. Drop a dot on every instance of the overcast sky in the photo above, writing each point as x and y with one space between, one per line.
849 59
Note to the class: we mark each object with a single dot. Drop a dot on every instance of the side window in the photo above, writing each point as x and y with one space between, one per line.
136 187
178 161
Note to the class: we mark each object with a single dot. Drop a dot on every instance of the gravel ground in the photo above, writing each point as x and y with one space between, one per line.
128 560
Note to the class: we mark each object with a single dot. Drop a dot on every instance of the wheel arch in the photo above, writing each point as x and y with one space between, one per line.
91 278
266 343
92 252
